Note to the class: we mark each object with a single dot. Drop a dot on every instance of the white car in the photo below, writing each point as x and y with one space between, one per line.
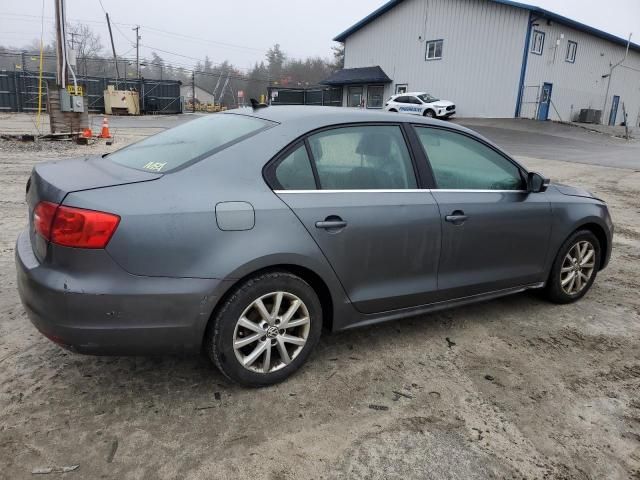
420 103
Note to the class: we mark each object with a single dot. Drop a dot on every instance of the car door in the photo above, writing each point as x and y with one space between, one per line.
355 189
412 105
495 234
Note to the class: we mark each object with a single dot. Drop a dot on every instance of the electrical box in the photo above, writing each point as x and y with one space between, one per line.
71 103
77 103
65 101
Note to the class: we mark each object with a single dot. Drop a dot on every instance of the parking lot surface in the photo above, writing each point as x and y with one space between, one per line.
513 388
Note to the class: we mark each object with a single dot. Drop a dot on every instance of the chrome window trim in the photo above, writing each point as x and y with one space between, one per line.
399 190
388 190
453 190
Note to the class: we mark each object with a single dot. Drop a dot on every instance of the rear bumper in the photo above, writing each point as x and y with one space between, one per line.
106 311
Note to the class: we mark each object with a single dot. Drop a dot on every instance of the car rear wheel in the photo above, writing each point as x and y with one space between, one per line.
265 330
393 110
575 268
429 113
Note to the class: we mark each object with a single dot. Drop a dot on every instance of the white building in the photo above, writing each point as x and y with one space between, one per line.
493 58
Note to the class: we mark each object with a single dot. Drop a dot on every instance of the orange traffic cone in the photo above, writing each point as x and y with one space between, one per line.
87 133
105 129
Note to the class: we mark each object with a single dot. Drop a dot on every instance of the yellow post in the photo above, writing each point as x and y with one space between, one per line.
40 86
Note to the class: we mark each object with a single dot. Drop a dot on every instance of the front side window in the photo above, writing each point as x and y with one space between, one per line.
415 101
294 171
375 94
188 142
354 96
368 157
537 42
462 163
434 50
572 47
427 98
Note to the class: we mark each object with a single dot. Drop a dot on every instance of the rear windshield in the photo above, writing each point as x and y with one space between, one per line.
189 142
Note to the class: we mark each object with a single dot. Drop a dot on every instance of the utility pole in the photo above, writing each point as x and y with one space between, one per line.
613 67
113 48
73 39
193 91
61 68
137 29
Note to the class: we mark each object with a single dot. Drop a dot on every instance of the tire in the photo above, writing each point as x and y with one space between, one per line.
225 329
560 289
429 113
393 110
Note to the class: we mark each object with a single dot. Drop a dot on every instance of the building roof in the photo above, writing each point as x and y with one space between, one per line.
350 76
541 12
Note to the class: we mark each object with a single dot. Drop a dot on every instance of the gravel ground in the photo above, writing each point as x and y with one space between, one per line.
513 388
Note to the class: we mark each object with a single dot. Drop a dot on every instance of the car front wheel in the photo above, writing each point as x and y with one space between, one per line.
575 268
430 113
265 330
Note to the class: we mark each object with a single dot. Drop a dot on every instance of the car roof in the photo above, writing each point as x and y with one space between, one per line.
301 119
318 117
411 93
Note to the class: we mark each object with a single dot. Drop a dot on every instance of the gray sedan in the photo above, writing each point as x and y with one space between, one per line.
247 233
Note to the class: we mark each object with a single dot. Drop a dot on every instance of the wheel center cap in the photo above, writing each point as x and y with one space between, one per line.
272 332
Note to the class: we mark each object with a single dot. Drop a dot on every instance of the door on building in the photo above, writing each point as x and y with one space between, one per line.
614 110
545 101
355 96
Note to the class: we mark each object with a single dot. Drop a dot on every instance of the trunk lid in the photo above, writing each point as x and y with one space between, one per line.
52 181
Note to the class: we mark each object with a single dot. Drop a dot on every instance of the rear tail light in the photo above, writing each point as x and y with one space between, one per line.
74 227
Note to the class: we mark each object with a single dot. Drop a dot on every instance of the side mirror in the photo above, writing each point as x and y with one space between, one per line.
536 183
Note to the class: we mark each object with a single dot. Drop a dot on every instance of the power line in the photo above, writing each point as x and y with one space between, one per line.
115 25
204 40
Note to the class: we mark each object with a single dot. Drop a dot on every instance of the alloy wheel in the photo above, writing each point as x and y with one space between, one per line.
271 332
577 267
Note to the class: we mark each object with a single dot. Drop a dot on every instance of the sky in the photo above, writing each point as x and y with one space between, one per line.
242 30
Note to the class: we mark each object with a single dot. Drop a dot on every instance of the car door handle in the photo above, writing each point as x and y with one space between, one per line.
457 218
331 223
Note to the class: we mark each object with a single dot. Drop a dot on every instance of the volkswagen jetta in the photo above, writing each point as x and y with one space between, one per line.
245 233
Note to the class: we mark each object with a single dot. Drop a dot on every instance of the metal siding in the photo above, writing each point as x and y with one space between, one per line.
580 85
482 52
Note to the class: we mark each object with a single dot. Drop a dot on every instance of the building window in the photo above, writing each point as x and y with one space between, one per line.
354 97
571 52
375 96
537 44
401 88
434 50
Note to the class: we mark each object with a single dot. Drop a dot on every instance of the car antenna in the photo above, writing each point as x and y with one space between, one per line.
255 104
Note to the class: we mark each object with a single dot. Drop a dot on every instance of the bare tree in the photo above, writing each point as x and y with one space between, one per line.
86 43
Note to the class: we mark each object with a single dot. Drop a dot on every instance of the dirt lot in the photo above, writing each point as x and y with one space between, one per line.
514 388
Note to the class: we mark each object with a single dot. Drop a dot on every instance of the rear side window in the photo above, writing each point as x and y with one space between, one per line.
462 163
294 171
188 143
362 158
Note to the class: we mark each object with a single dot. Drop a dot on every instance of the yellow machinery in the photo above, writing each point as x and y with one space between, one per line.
121 102
205 107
